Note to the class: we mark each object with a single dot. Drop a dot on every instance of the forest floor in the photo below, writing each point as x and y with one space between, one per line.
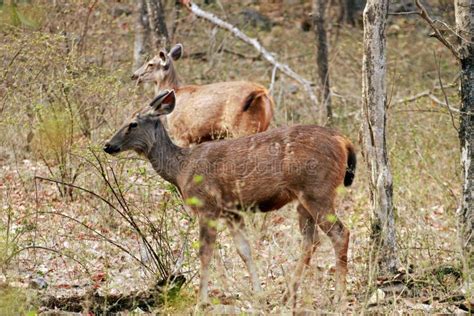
62 243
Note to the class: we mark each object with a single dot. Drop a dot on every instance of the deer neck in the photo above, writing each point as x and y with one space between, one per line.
170 82
166 157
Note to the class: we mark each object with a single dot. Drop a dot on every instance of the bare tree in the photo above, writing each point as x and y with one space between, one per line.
464 11
347 11
156 18
142 35
175 20
374 92
319 9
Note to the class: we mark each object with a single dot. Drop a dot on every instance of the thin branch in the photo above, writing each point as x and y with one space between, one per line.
426 94
7 68
84 190
404 13
444 92
425 16
238 54
109 240
270 57
452 30
82 39
413 97
272 83
17 252
126 212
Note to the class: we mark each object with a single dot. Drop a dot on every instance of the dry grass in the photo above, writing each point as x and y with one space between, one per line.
43 70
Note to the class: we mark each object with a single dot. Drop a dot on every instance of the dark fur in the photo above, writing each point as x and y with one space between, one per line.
351 166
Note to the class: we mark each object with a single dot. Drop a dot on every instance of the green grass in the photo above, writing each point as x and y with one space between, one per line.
15 301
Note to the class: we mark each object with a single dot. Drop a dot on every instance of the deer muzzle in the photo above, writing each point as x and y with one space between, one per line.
111 149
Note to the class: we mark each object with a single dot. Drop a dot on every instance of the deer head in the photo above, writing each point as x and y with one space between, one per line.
160 69
138 133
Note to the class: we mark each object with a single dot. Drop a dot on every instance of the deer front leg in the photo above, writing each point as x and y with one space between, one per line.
207 239
237 226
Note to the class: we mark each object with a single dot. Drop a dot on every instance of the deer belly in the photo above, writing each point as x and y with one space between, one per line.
275 202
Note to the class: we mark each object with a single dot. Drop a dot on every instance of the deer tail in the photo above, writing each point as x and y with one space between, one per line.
351 164
260 101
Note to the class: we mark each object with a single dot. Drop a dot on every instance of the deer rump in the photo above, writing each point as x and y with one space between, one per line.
266 171
219 110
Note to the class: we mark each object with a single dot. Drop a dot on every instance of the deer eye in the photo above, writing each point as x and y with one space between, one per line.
133 125
150 65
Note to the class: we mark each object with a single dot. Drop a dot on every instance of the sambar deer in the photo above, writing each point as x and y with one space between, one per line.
264 171
206 112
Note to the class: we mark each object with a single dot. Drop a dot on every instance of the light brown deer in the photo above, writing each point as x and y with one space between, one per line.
264 171
206 112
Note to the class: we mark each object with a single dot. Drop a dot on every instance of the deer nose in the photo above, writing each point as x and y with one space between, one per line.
134 77
110 149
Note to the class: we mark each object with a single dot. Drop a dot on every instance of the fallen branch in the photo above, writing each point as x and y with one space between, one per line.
306 84
425 16
240 55
100 304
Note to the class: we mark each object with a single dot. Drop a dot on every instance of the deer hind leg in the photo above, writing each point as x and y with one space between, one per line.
207 239
237 227
323 211
339 235
310 243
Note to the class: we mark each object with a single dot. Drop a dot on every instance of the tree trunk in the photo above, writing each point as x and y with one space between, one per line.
350 12
383 235
319 9
347 11
175 20
464 11
156 18
142 35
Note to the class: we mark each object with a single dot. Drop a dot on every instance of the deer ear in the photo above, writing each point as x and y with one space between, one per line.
164 103
162 55
176 52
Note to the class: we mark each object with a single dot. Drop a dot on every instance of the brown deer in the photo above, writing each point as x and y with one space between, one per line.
264 171
206 112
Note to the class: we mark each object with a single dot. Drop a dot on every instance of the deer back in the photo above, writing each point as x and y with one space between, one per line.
266 170
219 110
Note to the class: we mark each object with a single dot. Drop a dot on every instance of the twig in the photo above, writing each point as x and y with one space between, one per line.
175 20
272 83
413 97
404 13
226 50
450 28
419 111
7 68
425 16
82 40
17 252
444 92
86 191
428 94
256 44
125 213
109 240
